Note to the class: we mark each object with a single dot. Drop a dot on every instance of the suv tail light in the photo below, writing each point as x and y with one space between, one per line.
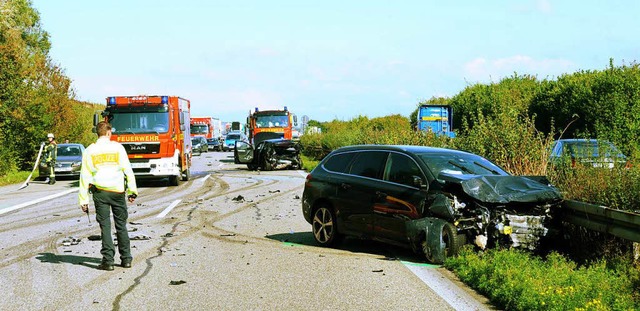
307 181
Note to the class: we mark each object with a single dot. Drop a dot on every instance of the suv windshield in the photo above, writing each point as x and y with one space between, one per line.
460 164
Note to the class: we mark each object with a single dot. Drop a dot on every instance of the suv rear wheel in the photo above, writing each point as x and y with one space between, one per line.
324 226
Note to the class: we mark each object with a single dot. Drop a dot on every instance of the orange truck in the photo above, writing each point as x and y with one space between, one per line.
202 126
270 124
155 131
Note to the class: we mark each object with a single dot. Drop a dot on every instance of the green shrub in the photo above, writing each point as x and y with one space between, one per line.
516 280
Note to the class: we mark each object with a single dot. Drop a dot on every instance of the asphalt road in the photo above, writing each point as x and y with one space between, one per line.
228 239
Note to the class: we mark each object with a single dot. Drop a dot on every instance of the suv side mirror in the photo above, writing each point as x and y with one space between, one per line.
418 182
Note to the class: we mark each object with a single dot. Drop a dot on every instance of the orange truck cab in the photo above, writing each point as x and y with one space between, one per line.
155 132
270 124
202 126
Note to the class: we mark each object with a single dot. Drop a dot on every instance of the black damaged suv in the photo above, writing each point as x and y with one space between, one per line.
434 200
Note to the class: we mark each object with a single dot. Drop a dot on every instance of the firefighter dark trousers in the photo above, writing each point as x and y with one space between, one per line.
107 202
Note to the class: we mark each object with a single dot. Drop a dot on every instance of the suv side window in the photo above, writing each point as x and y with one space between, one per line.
369 164
338 163
401 169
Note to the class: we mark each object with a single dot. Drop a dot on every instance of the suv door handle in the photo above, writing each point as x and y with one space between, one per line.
345 186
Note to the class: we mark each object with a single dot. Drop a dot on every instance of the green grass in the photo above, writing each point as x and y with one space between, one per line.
517 280
14 178
308 163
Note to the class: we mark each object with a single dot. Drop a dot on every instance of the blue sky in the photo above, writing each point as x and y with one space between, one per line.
326 59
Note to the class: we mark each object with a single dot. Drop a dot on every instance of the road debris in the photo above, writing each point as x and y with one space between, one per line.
239 198
68 241
135 223
94 237
168 235
140 237
228 234
377 271
177 282
297 197
274 191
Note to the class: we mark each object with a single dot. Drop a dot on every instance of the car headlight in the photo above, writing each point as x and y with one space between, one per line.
76 164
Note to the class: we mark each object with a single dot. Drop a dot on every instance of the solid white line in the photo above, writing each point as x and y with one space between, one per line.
50 197
447 290
169 208
205 178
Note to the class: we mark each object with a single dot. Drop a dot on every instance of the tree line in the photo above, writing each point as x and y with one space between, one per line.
36 96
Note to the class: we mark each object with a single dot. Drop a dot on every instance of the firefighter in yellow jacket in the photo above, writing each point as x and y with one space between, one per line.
107 174
50 155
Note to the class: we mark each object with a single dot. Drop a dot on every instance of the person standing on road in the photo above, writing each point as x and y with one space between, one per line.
107 174
50 154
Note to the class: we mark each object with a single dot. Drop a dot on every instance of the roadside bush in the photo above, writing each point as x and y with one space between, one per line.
516 280
510 140
617 188
389 130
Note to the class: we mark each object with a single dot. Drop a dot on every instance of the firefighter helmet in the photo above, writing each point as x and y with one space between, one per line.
50 135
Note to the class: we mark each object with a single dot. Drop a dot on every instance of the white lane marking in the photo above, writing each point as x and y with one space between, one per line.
169 208
452 294
50 197
204 178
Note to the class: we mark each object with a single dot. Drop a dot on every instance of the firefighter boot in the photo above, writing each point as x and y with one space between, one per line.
52 180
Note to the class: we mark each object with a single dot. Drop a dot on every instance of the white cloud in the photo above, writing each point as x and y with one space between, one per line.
544 6
482 69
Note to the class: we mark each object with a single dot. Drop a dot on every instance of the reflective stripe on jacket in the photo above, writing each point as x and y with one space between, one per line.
105 165
51 151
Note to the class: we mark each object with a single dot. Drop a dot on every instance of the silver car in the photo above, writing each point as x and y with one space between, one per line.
68 161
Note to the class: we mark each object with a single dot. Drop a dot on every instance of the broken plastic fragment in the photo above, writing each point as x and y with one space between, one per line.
177 282
239 198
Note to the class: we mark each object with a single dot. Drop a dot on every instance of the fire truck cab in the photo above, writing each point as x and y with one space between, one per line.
155 132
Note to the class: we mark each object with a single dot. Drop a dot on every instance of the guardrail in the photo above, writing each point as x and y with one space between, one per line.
600 218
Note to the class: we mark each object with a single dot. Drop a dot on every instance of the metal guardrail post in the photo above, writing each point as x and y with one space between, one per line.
600 218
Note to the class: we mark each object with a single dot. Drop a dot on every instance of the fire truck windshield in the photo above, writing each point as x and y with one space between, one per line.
199 129
272 121
140 122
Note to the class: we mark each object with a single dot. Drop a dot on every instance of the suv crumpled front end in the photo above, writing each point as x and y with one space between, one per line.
491 211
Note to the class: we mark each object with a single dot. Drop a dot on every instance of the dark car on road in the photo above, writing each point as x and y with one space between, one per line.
214 144
199 145
589 152
267 155
68 161
431 199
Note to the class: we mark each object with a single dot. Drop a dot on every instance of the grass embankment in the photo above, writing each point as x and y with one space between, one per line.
14 178
516 280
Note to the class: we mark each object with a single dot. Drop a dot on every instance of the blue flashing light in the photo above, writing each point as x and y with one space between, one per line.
112 100
256 109
165 99
285 108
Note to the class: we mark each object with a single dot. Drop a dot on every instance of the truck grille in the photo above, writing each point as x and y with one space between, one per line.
142 148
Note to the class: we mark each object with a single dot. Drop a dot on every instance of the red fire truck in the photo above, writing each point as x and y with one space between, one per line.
202 126
269 124
155 132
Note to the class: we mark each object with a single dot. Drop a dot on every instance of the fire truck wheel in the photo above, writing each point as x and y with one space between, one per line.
173 180
186 175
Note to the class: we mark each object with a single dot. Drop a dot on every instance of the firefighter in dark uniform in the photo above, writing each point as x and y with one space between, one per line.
50 154
107 174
